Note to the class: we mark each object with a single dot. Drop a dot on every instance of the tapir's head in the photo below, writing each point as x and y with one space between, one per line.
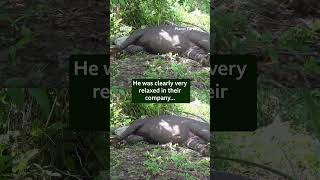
119 41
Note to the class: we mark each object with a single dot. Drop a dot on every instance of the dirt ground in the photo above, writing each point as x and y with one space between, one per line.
127 67
284 74
37 38
130 162
276 17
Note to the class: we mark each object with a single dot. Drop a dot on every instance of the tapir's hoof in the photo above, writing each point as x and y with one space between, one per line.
205 152
114 142
114 50
205 62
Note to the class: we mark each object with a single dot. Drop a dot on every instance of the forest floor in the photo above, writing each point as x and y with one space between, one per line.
127 67
37 38
287 139
278 146
285 39
145 161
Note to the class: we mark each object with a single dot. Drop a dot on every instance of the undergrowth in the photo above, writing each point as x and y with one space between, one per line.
127 15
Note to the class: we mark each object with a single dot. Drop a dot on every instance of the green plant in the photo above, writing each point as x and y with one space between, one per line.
312 66
25 39
18 35
154 162
125 13
275 171
117 28
123 111
153 166
179 70
18 96
220 145
227 27
20 164
179 160
294 39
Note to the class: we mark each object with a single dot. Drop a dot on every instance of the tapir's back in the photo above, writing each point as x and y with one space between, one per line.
169 38
168 128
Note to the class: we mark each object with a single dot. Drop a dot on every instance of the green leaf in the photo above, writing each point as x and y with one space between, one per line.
55 128
98 146
52 174
22 162
17 95
14 22
42 99
69 163
36 132
312 66
15 82
12 52
5 17
26 37
316 25
249 163
4 162
313 112
273 54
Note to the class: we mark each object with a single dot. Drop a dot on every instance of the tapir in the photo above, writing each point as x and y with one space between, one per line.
186 42
169 128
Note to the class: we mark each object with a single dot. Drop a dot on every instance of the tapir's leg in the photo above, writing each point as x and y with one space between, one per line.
131 129
201 39
132 38
197 144
134 139
198 54
202 133
204 44
134 49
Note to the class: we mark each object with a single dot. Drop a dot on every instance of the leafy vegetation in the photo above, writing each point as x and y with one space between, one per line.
123 112
37 38
127 15
288 122
157 162
34 143
286 43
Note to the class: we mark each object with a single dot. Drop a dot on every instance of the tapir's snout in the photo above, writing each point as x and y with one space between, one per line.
119 41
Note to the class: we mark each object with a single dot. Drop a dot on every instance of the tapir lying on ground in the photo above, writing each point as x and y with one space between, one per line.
168 128
163 39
